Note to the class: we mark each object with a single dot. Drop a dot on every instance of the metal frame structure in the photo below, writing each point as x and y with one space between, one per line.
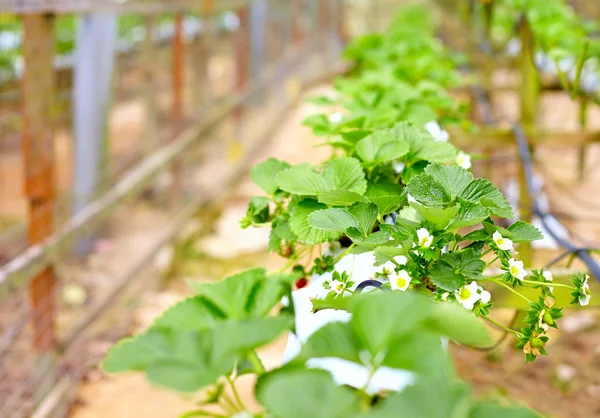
302 55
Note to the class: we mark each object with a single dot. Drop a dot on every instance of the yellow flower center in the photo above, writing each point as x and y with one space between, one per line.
514 270
401 282
339 287
464 294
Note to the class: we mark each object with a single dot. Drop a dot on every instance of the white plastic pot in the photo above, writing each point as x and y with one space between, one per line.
359 268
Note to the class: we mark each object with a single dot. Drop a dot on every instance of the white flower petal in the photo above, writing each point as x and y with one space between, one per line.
463 160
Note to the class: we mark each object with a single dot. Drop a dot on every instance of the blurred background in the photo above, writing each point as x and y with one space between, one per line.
127 128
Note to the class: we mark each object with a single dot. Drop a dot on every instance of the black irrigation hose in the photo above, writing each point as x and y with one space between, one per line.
582 253
370 283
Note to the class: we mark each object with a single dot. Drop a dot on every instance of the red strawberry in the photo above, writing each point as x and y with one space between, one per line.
300 283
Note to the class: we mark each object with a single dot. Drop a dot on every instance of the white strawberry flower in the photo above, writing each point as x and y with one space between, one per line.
502 243
398 166
484 295
425 238
516 269
445 295
468 295
386 269
584 298
463 160
336 117
437 132
337 286
400 280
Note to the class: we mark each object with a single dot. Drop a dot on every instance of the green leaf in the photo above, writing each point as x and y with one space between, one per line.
341 198
384 317
191 314
172 359
419 113
365 215
452 178
238 338
452 269
303 230
422 146
486 193
469 214
354 136
381 146
373 240
302 180
384 254
490 409
524 232
231 295
458 324
345 173
244 295
331 340
409 351
337 220
188 360
427 191
388 196
319 123
301 393
451 401
437 216
408 216
264 174
258 209
476 236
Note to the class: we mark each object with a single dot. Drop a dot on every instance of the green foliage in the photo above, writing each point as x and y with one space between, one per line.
393 189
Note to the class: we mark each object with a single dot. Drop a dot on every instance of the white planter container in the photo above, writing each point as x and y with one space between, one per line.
359 268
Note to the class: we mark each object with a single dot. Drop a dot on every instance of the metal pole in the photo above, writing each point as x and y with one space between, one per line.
94 65
38 157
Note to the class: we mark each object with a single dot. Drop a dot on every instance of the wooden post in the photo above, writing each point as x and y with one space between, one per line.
208 8
583 108
178 62
324 28
297 33
242 71
529 100
149 82
38 157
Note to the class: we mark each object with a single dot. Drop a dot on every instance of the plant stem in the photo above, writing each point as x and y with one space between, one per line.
236 393
202 413
344 254
492 262
499 325
228 405
256 362
549 284
511 289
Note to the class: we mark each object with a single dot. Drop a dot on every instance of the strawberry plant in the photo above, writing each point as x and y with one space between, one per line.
390 242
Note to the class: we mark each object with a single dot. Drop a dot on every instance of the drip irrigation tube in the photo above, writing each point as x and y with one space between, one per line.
582 253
